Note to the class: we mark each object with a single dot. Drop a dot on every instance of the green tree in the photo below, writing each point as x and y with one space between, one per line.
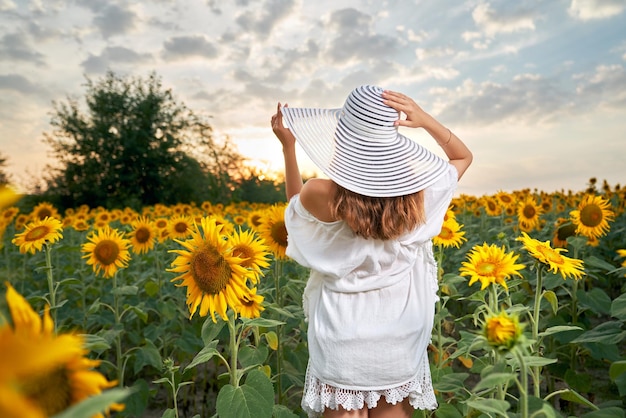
4 177
134 145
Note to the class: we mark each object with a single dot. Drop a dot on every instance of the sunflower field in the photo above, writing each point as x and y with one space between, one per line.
195 310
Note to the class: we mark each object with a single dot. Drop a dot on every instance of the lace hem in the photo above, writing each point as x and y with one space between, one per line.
318 396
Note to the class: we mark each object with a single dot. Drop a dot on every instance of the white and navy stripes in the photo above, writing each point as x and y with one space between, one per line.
359 148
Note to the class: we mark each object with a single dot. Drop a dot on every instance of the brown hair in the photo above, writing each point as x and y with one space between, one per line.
379 217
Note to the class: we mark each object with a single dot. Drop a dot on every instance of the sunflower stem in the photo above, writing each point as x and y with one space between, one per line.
278 271
536 370
118 337
523 385
51 287
234 351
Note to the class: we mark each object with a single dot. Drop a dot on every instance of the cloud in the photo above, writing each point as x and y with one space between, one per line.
114 20
15 47
595 9
180 47
19 83
605 87
490 23
261 22
353 37
113 55
6 5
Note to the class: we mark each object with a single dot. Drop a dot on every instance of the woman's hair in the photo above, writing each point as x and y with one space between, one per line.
379 217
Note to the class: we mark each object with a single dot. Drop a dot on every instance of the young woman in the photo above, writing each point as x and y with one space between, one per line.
365 233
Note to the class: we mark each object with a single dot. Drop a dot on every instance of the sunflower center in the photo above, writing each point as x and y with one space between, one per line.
255 220
486 268
180 227
566 231
591 215
37 233
210 270
279 233
43 212
106 252
143 235
245 253
491 205
51 392
446 233
529 212
246 301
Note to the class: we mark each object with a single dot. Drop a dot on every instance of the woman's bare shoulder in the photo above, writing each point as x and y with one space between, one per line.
316 196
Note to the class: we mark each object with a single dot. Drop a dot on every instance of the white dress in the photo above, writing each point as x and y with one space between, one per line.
370 307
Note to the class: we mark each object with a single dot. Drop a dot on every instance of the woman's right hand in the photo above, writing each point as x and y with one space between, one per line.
283 134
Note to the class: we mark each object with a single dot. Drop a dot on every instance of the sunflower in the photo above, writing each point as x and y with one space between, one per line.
505 199
64 375
8 196
622 253
528 213
450 234
491 205
272 229
567 267
562 231
250 305
215 278
107 250
8 214
254 218
179 227
490 264
143 235
252 251
43 210
592 216
502 331
38 233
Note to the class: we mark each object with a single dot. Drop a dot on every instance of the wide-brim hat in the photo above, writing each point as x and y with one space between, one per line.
359 147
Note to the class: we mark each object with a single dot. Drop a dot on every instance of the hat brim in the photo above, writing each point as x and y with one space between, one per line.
396 166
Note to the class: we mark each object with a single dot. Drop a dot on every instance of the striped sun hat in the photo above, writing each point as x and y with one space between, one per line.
359 148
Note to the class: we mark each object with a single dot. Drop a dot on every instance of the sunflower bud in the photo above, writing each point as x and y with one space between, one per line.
502 331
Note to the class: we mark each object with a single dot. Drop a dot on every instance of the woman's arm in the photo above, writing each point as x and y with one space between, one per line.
460 156
293 179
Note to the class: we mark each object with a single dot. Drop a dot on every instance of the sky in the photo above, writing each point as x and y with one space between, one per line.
535 88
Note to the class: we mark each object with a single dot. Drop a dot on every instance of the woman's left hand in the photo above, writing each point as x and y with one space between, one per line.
283 134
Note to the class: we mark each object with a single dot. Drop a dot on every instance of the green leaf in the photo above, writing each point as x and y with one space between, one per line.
148 355
617 373
262 322
559 328
607 333
618 307
536 361
125 290
281 411
96 343
551 297
445 410
254 399
140 313
594 261
595 300
611 412
210 330
169 413
450 382
151 288
94 405
492 380
204 355
617 368
573 396
250 356
272 340
578 381
487 406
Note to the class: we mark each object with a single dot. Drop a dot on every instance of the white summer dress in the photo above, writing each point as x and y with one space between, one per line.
370 307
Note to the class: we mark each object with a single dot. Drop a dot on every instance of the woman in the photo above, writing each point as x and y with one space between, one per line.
365 233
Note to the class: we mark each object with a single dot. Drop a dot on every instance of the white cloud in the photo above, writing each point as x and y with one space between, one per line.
491 23
6 5
595 9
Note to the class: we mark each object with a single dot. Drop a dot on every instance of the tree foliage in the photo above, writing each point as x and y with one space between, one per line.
4 177
134 145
